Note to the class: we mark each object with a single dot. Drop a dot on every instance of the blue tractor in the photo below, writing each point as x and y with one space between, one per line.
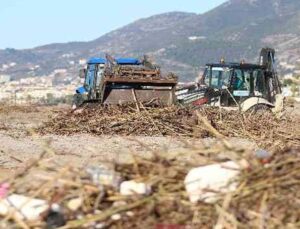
124 80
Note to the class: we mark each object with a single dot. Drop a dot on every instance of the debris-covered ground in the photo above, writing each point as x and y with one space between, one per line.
152 190
20 143
267 195
264 128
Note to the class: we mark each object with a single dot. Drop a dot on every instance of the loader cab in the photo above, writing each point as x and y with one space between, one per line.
234 83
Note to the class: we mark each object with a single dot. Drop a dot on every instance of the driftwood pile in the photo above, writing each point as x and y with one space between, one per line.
264 128
267 196
7 109
123 120
134 72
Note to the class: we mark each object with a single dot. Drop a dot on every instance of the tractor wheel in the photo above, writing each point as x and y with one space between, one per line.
78 100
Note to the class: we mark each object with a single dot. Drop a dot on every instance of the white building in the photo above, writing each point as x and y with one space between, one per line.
195 38
60 71
82 61
297 72
5 78
286 92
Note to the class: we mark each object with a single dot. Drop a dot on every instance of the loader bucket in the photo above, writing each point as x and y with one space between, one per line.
162 91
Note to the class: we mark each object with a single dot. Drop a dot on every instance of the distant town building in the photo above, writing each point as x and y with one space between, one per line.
56 71
82 61
5 78
297 72
5 66
288 76
194 38
286 91
287 66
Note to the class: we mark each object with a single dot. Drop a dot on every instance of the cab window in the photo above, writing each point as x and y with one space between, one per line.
250 81
219 77
89 80
215 78
207 76
99 74
258 81
239 80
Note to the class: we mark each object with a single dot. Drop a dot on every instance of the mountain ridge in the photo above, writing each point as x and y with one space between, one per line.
179 41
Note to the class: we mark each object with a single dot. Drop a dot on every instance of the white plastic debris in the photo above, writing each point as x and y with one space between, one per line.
116 217
100 225
104 176
97 212
55 207
75 204
23 207
130 213
119 203
206 182
78 111
132 187
263 156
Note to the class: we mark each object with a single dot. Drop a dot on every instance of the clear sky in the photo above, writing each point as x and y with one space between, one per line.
29 23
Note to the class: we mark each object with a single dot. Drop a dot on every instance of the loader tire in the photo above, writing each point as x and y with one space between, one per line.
259 109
